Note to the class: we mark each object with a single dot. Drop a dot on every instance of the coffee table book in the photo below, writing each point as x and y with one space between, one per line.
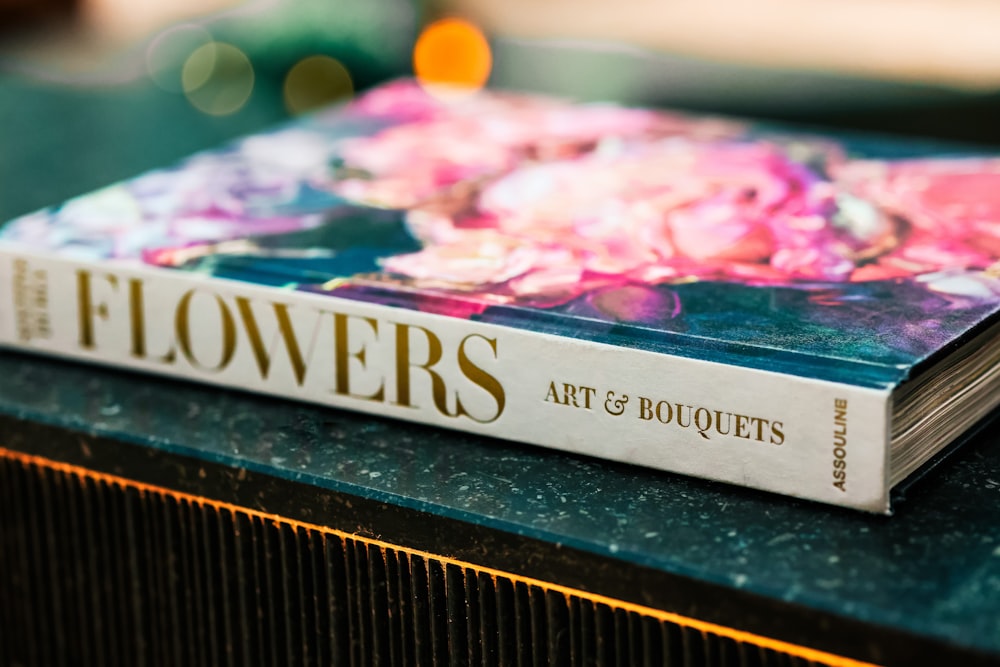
791 313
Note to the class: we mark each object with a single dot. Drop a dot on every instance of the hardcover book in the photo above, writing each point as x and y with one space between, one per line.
799 314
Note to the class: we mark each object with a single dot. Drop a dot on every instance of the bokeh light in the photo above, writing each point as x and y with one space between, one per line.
217 78
452 53
168 51
314 82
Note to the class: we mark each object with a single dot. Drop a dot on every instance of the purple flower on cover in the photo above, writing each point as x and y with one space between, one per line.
210 197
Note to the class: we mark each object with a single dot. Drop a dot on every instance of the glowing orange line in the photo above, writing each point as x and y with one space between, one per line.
703 626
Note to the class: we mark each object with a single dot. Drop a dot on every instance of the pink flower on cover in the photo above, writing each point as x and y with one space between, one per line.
403 99
950 208
446 143
653 212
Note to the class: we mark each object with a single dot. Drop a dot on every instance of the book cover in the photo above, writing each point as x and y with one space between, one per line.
695 294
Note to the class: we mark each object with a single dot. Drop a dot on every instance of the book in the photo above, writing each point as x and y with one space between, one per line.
805 315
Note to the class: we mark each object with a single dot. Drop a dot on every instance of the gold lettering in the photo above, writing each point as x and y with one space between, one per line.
645 408
344 356
718 422
86 310
286 332
680 415
569 391
707 421
480 377
742 427
777 434
182 325
439 390
137 320
571 395
703 421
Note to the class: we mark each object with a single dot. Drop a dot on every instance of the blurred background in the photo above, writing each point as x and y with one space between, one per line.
93 91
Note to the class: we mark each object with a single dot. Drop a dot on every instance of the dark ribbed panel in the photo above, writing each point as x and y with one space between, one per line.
96 572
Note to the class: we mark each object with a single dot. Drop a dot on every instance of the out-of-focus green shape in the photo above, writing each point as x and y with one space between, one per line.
58 140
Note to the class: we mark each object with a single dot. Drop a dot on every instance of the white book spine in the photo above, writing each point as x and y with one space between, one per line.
797 436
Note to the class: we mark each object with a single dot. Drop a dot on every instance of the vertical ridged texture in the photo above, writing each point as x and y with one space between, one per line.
95 572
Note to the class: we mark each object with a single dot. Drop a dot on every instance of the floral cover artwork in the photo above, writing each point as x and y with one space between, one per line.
703 237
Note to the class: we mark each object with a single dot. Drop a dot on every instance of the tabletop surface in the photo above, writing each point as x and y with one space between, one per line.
939 554
932 569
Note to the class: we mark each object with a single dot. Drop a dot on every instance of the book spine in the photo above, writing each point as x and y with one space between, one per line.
797 436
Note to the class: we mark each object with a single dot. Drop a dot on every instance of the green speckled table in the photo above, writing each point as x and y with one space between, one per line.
923 583
921 586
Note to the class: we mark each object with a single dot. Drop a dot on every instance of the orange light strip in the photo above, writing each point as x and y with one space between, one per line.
702 626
